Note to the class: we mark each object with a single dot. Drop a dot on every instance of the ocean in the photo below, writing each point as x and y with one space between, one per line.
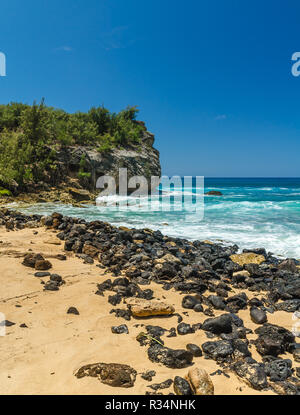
252 213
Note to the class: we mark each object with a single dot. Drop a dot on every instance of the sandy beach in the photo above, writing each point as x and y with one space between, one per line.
43 357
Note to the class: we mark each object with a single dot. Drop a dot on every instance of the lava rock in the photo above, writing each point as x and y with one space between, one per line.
194 349
31 259
122 329
184 328
42 265
252 372
218 325
217 302
148 375
171 358
278 369
113 374
73 310
219 349
42 274
182 387
273 340
257 315
163 385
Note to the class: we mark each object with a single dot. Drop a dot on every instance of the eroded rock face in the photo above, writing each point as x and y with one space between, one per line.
113 374
141 161
200 381
145 308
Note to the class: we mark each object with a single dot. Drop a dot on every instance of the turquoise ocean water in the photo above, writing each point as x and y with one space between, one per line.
257 212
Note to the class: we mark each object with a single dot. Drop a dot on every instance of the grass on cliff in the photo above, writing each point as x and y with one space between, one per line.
30 136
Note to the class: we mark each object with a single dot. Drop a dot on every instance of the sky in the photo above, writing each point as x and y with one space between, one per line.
212 80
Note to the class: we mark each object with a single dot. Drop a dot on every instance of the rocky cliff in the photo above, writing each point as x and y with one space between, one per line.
141 160
79 167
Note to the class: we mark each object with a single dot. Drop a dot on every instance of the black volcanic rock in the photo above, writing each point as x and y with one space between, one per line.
218 325
273 340
171 358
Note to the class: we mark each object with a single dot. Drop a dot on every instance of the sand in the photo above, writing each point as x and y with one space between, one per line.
43 358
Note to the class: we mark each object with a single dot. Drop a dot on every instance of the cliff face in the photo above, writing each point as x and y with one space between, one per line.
141 160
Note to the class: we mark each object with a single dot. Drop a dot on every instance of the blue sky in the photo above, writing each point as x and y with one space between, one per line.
212 79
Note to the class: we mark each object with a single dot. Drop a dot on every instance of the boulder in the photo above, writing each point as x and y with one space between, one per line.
218 350
247 258
257 315
79 195
145 308
273 340
182 387
184 328
113 374
172 358
30 260
42 265
194 349
252 373
218 325
200 382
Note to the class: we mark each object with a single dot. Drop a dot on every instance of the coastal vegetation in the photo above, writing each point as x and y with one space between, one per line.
32 135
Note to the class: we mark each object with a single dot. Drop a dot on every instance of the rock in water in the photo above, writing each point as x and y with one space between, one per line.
145 308
214 193
258 316
182 386
200 381
113 374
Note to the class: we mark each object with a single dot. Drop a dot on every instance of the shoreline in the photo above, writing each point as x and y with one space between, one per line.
143 266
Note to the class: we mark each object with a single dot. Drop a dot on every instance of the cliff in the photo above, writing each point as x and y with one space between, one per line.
47 154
